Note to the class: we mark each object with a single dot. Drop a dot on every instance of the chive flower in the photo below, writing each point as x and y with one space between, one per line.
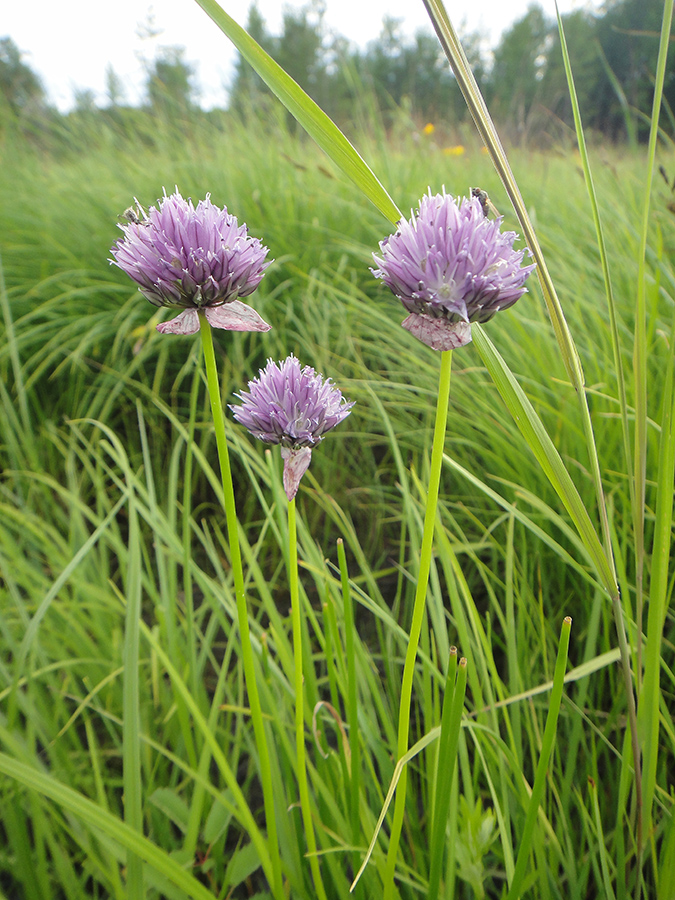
450 265
294 407
197 259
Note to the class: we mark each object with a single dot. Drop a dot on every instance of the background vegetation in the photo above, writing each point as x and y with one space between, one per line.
108 485
613 54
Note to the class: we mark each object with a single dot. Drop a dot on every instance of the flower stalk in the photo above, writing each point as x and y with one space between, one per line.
418 613
294 406
301 761
240 595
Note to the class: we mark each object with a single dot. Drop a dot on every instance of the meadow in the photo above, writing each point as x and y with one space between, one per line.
111 497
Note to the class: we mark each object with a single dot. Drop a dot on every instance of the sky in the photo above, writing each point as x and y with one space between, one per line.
70 43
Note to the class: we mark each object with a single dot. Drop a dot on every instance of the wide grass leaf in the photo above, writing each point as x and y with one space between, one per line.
312 118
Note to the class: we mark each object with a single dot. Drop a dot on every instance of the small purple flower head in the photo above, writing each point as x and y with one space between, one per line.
450 265
293 407
194 259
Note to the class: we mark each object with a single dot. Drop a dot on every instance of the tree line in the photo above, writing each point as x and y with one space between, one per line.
613 55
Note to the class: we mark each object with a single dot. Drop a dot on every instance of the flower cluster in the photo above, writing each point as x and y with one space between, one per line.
293 407
198 259
450 265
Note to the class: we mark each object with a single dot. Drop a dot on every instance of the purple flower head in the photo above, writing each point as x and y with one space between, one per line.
194 259
450 265
293 407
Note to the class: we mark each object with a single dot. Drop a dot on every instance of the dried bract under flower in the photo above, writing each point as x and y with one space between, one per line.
294 407
198 259
450 265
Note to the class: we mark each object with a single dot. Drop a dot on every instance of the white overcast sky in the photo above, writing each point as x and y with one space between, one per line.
69 43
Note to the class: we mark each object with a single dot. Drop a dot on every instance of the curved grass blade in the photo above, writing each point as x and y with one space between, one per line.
451 723
637 513
483 121
542 446
516 885
312 118
103 821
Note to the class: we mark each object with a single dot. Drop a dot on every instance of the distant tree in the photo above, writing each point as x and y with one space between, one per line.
248 87
170 87
628 35
519 67
382 65
299 49
85 100
114 87
411 72
19 85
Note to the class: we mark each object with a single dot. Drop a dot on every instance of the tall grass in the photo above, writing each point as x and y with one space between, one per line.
110 496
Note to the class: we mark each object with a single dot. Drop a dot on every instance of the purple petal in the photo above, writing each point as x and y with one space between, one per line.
296 463
235 316
190 257
439 334
291 405
186 323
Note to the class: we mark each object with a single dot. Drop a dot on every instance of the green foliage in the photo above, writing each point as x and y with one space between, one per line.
477 833
19 85
169 83
104 419
519 62
613 54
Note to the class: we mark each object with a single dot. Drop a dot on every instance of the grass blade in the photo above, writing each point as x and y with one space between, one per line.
451 722
312 118
527 833
103 821
543 448
131 748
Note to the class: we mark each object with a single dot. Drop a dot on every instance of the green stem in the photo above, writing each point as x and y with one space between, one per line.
451 723
301 765
242 611
131 742
548 739
418 613
352 701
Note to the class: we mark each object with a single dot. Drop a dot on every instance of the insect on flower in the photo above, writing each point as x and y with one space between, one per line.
135 216
486 204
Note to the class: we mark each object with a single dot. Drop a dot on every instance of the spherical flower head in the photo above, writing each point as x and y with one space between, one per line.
294 407
450 265
198 259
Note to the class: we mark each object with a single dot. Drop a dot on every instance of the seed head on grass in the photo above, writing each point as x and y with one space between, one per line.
294 407
194 259
450 265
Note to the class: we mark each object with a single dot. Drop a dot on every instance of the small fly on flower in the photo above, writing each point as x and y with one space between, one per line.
132 215
486 204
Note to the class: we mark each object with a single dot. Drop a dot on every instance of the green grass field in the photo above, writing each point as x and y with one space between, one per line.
110 495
